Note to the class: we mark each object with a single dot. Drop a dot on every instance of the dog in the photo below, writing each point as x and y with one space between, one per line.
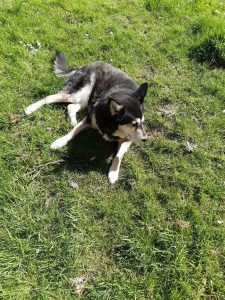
114 105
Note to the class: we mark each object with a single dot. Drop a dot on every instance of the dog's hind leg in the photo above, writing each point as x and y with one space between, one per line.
57 98
115 167
72 111
63 141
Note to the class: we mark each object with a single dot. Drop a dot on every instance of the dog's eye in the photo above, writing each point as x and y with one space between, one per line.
135 125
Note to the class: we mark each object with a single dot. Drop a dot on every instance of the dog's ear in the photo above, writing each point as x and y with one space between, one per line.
141 92
115 107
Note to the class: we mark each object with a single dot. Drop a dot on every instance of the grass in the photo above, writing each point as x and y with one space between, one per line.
159 232
211 35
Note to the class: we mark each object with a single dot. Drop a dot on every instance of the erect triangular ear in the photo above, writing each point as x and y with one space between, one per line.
115 107
142 91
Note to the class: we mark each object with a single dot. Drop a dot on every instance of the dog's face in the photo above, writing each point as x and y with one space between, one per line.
127 112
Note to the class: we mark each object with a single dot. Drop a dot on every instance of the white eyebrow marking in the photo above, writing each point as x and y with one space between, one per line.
136 121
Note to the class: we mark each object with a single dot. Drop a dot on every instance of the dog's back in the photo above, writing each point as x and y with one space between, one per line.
107 79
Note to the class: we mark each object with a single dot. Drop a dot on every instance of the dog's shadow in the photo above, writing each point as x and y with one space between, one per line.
88 152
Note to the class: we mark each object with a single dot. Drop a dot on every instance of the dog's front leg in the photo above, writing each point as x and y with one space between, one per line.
63 141
72 112
115 167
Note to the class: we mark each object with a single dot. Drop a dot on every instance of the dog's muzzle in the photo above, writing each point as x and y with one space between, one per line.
144 138
141 134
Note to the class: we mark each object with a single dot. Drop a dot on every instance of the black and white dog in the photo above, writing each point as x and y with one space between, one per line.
114 103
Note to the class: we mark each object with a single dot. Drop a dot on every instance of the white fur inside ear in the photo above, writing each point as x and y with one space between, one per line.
115 107
113 176
61 142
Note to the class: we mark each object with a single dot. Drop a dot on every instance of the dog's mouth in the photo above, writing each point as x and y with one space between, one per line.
129 138
125 139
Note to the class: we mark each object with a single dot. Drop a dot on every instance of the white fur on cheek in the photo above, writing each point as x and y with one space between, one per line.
123 131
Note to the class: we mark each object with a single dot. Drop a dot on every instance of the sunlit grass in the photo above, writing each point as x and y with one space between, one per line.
158 233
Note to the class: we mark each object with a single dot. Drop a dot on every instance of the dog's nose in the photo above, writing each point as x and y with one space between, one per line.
144 139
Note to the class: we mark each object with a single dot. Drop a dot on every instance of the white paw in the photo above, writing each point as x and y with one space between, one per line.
31 108
61 142
113 176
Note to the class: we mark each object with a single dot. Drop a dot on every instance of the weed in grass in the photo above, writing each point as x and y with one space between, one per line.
162 6
210 50
209 40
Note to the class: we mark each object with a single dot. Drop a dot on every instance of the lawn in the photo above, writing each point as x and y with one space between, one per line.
158 233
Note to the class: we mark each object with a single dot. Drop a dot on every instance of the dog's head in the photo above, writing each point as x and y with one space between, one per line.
127 110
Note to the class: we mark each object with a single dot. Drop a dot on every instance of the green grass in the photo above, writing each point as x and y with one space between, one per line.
158 232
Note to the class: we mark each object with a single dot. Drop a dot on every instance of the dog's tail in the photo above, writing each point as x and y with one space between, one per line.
60 65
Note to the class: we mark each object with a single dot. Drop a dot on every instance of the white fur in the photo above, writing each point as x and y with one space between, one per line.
59 143
113 176
60 97
130 131
63 141
83 95
72 112
115 167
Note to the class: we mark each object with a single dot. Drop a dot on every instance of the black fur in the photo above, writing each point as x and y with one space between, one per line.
60 64
110 84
